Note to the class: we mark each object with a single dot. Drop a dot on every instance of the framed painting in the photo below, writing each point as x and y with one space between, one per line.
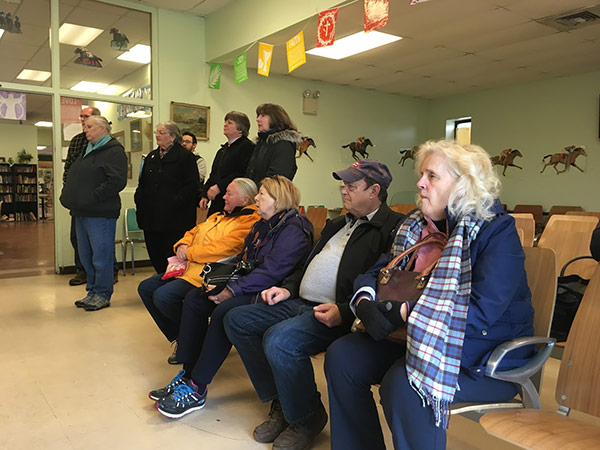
135 135
192 118
120 136
129 166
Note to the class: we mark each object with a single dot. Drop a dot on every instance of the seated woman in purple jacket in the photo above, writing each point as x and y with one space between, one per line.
476 298
277 244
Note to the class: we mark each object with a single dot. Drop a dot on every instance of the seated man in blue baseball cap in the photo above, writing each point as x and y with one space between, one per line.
310 309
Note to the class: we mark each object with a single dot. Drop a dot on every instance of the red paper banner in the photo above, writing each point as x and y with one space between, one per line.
326 27
70 109
376 14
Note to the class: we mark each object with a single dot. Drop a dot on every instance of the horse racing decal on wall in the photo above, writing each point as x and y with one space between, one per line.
86 58
302 148
119 40
360 147
567 158
506 158
408 153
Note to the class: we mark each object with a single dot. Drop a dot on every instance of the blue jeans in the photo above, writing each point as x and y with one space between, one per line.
275 344
164 301
96 246
356 362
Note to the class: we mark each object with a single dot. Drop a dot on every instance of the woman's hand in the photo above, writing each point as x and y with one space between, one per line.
274 295
182 252
213 191
225 294
373 318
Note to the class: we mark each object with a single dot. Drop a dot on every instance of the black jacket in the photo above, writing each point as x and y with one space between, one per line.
275 154
94 181
167 193
364 247
229 163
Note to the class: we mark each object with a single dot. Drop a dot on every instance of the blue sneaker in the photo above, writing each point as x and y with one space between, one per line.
159 394
184 400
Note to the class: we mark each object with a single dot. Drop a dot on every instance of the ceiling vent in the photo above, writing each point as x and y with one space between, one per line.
573 20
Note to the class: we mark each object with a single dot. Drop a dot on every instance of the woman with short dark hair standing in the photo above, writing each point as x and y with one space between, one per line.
166 195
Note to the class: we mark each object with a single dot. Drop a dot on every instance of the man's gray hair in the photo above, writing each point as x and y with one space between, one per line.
172 128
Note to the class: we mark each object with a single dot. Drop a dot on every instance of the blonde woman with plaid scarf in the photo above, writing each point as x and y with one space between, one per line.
476 298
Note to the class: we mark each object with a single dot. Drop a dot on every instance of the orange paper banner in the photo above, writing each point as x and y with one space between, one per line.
376 14
326 27
295 52
265 53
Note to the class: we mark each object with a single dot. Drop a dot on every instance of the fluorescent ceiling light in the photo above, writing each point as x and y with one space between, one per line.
353 44
69 33
41 123
33 75
41 147
88 86
138 53
110 90
464 125
1 32
141 114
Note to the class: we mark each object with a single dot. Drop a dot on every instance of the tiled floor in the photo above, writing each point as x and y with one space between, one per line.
72 379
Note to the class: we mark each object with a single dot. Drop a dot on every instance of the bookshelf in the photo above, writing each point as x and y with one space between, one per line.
19 191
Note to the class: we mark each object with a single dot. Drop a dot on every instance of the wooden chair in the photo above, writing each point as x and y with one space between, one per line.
577 388
583 213
403 208
536 210
540 265
318 217
563 210
525 222
569 236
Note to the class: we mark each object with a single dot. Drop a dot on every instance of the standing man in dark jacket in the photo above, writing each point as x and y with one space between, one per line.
310 310
76 147
230 161
167 194
91 192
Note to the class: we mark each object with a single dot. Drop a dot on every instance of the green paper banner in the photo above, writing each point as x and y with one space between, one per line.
239 68
214 78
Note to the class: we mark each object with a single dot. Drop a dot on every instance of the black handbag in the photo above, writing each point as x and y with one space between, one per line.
219 274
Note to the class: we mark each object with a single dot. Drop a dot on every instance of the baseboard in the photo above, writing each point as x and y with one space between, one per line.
72 269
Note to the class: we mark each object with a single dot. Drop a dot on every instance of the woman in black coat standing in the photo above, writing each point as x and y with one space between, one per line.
275 152
167 194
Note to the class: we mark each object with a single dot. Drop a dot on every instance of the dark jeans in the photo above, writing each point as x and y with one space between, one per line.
160 247
356 362
164 301
96 246
275 344
78 265
202 346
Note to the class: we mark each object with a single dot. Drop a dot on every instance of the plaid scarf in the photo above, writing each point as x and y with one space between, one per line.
436 325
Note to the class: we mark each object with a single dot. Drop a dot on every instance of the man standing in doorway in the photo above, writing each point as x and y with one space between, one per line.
189 142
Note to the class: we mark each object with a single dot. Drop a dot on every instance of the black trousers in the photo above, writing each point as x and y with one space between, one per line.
160 247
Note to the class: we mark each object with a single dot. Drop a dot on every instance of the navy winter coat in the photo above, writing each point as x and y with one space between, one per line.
279 245
500 305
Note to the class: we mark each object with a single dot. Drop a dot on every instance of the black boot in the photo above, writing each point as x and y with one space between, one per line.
268 430
301 435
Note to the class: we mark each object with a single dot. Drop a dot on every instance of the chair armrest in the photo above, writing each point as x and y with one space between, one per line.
529 368
564 268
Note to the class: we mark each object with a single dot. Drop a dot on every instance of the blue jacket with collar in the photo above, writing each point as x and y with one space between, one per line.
500 305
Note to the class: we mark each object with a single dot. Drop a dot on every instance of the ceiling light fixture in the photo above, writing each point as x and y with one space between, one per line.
110 90
354 44
42 123
1 32
33 75
88 86
78 35
139 53
41 147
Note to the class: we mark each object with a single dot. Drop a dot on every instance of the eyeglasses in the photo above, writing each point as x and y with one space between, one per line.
187 141
161 132
83 116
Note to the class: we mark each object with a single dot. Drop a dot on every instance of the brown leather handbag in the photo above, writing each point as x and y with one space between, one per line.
404 285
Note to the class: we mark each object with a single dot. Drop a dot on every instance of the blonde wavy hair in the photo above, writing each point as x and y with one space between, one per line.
283 191
477 185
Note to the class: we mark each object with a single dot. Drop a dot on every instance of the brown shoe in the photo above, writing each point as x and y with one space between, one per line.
79 279
269 430
301 435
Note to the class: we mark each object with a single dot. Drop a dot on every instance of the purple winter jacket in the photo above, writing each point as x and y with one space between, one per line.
278 246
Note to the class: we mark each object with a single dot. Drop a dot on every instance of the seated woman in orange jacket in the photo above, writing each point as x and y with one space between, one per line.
219 238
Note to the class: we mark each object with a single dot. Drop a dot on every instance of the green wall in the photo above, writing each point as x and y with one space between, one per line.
537 118
17 137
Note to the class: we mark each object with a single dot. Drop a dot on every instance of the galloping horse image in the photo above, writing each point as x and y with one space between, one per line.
304 145
567 158
119 40
359 146
408 153
86 58
506 159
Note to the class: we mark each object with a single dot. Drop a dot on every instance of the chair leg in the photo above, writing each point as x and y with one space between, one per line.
124 256
132 261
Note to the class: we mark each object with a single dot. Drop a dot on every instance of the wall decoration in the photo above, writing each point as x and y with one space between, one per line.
265 51
567 158
119 40
144 93
70 110
13 105
376 14
506 158
8 24
302 148
326 27
120 136
359 146
240 69
86 58
135 135
296 55
214 78
408 153
192 118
